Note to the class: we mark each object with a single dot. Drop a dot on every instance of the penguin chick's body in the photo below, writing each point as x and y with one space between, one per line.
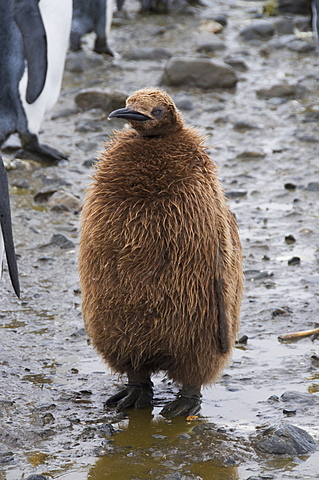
160 257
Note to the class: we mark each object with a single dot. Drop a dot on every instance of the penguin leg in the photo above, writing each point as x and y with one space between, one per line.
188 402
137 393
31 145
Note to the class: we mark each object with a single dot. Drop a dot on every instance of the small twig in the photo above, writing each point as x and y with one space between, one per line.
297 335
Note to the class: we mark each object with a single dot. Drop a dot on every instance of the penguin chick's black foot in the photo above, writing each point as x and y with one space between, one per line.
188 402
36 151
134 395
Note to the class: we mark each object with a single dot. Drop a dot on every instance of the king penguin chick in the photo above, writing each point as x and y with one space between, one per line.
160 257
6 237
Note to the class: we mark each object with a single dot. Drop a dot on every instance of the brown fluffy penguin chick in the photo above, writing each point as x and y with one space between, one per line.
160 258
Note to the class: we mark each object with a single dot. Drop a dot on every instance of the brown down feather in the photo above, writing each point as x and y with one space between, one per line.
160 257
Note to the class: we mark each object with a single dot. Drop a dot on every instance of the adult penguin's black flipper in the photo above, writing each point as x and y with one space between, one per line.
6 229
28 18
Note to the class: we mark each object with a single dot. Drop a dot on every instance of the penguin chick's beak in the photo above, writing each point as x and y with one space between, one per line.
129 114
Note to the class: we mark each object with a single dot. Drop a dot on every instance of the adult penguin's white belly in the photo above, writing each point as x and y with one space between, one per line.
56 16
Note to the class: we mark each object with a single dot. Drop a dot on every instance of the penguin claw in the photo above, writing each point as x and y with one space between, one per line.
37 151
186 404
132 396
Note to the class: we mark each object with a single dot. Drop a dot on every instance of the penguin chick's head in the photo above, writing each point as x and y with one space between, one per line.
151 112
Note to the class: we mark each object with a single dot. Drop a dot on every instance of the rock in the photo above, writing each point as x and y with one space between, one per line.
90 162
294 261
199 72
284 25
105 100
285 439
184 103
236 193
205 427
243 125
85 126
258 30
37 477
299 397
62 200
211 25
290 239
21 183
301 46
148 54
209 44
236 62
257 274
280 90
313 187
290 186
6 457
61 241
250 155
44 194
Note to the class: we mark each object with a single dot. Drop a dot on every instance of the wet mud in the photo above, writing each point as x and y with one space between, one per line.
52 383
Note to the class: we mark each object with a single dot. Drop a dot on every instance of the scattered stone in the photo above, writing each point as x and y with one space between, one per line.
21 183
244 125
6 457
258 30
280 90
184 436
289 412
301 46
250 155
212 25
243 340
290 186
313 187
290 239
236 194
314 361
257 274
209 44
64 201
285 439
294 261
199 72
107 429
284 25
37 477
184 103
308 138
281 311
61 241
90 162
105 100
205 427
44 194
299 397
148 54
236 62
221 19
85 126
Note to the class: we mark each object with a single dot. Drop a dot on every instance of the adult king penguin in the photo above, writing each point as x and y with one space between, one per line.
34 37
92 16
160 257
6 237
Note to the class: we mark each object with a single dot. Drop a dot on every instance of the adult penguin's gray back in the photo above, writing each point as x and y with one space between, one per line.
34 39
6 237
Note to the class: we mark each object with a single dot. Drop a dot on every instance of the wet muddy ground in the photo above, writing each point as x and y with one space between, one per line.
53 384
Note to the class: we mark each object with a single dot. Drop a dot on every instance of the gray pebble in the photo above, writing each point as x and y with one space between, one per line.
313 187
285 439
258 30
105 100
37 477
298 397
61 241
66 200
148 54
301 46
209 43
283 89
199 72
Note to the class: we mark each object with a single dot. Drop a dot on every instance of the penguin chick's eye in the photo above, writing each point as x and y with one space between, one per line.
157 112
